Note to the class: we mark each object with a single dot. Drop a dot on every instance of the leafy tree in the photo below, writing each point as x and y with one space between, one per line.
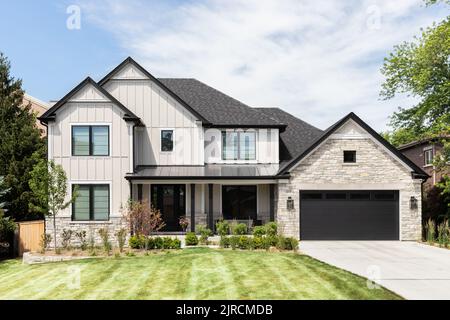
420 68
19 140
49 184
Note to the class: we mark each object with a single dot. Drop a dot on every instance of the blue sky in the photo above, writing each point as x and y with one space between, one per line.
316 59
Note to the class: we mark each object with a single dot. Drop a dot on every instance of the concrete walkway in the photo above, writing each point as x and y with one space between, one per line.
412 270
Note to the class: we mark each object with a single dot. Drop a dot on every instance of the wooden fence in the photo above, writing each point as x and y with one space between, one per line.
29 235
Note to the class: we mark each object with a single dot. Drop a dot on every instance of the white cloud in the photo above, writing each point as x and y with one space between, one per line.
316 59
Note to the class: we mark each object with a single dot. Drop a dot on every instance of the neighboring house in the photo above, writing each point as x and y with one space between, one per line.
38 107
423 153
191 150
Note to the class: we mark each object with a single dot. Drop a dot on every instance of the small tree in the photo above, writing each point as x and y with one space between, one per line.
49 184
142 218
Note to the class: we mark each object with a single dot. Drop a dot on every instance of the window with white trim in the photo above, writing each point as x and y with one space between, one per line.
428 157
92 202
90 140
166 140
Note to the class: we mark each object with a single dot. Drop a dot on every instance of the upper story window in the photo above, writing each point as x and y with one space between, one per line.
349 156
428 157
90 140
166 140
238 145
92 202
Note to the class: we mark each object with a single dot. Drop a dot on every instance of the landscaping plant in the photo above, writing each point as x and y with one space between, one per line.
442 234
239 228
49 183
104 234
7 227
271 228
45 241
204 233
121 236
66 239
259 231
191 239
184 223
81 235
143 219
222 228
430 229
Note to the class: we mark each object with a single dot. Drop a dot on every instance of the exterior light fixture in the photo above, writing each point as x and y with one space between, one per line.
413 203
290 203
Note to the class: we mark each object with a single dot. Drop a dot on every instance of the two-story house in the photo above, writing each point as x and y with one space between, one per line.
191 150
422 153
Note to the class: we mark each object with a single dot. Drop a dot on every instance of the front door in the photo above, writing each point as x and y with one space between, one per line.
170 200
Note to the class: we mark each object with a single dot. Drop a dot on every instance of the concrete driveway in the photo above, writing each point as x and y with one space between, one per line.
412 270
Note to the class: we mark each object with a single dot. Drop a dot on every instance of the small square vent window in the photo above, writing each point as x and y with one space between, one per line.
349 156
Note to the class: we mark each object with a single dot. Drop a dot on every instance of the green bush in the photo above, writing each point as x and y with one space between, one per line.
239 229
224 242
82 239
287 243
270 241
204 234
244 243
104 234
176 244
259 231
234 242
430 228
167 243
149 243
222 228
158 243
137 242
191 239
257 243
121 236
271 228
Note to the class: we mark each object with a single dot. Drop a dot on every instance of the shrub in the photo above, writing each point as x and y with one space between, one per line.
430 230
257 243
81 235
259 231
91 241
66 238
270 241
244 243
167 243
442 236
224 242
46 239
7 227
234 242
204 234
271 228
158 243
239 229
191 239
121 236
287 243
149 243
137 242
143 218
176 244
222 228
104 234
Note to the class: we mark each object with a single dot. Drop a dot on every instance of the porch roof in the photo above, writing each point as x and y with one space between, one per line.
207 172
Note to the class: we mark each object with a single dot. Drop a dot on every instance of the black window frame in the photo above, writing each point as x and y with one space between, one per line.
161 140
91 201
351 153
91 144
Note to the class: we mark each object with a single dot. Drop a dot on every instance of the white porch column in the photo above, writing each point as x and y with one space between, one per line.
131 144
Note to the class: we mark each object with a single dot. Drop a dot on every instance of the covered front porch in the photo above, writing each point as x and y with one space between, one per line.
204 199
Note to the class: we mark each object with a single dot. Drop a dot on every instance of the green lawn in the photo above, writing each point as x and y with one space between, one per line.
186 274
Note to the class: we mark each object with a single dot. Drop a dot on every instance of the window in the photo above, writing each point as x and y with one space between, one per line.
360 196
311 196
349 156
428 156
239 202
238 145
166 140
336 196
92 202
384 195
90 140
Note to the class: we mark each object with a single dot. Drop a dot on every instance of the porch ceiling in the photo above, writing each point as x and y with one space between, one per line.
207 172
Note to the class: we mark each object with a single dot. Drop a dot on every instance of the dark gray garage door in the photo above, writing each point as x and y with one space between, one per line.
349 215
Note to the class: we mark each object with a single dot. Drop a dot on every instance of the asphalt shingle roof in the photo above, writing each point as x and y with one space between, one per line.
217 107
298 135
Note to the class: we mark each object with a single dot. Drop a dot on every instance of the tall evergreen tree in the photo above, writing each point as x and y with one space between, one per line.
19 140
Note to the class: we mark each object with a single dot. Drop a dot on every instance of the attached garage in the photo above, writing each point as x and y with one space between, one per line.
349 215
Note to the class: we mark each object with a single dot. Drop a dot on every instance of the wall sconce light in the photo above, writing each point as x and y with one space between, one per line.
290 203
413 203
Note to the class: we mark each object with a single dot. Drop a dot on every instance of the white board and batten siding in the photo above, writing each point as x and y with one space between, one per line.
89 107
158 111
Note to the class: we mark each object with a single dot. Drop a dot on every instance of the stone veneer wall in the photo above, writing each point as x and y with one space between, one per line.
91 228
375 169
